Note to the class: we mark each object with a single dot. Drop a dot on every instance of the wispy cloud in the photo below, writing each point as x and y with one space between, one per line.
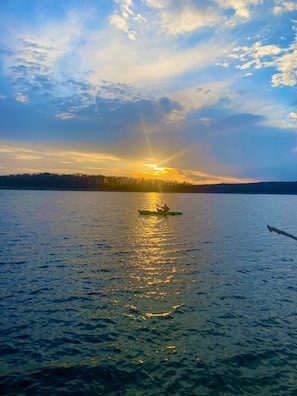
19 97
293 115
284 6
278 57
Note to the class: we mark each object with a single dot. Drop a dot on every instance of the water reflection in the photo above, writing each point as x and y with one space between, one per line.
152 199
153 268
193 300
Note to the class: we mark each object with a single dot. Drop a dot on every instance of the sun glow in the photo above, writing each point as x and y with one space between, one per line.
155 170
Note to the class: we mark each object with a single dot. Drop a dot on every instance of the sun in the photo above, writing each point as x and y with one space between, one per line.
152 170
155 170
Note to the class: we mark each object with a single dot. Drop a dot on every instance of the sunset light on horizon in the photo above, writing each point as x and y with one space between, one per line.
190 91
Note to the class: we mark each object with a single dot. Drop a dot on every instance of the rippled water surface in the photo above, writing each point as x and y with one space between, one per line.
96 299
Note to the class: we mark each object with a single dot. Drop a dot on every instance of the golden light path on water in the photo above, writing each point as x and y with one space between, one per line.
153 269
128 304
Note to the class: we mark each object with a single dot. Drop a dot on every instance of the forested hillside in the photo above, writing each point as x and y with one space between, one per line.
50 181
45 181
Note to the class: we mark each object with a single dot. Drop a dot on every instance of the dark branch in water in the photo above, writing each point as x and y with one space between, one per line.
273 229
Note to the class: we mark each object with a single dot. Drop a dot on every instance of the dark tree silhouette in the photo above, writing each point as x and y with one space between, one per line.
50 181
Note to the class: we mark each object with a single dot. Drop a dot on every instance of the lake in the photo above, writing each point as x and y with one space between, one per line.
96 299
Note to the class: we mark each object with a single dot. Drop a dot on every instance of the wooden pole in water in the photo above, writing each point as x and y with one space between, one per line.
273 229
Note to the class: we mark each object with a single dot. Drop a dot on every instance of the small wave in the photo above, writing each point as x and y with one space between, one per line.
158 315
37 290
20 262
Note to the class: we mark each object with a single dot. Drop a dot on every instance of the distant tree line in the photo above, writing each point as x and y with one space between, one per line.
247 188
50 181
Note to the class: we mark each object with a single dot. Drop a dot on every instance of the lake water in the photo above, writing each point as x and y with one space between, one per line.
96 299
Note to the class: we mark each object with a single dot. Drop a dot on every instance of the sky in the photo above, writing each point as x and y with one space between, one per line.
199 91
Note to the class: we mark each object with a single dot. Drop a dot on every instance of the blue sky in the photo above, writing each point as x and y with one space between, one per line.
194 90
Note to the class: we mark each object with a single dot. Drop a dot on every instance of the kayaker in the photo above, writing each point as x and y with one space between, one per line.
162 208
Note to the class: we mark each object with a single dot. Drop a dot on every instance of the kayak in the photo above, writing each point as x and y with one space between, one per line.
155 212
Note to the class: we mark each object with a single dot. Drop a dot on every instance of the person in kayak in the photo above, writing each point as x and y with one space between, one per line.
162 208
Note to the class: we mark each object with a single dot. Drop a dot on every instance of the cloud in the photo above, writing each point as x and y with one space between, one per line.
125 17
27 157
77 80
52 158
19 97
290 5
191 99
241 8
284 6
80 156
198 177
64 116
187 18
277 10
259 56
156 3
39 63
30 66
287 67
179 18
293 115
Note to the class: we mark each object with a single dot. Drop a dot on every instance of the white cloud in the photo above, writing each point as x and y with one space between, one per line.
241 7
43 153
21 98
187 18
290 5
277 10
156 3
284 60
14 150
212 178
177 18
205 120
150 65
194 98
64 116
256 55
293 115
123 20
284 6
174 116
120 22
80 156
27 157
126 6
287 67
